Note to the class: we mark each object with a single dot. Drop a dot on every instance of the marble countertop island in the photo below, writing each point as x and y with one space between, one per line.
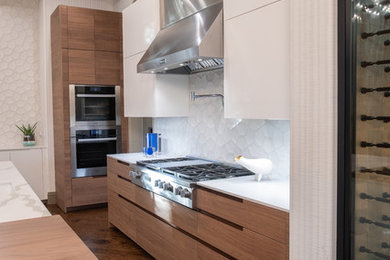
17 200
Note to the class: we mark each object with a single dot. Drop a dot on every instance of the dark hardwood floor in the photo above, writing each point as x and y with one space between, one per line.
91 225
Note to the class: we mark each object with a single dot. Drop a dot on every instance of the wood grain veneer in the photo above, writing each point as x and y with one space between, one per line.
108 67
121 214
89 190
108 31
41 238
267 221
82 67
80 39
239 243
81 28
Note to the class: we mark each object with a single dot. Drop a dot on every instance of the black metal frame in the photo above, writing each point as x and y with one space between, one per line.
346 132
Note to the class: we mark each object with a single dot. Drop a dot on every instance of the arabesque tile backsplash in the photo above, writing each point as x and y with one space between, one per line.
206 133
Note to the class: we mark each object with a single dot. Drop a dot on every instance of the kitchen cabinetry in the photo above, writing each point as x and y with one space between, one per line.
86 49
225 227
141 23
256 75
163 228
149 95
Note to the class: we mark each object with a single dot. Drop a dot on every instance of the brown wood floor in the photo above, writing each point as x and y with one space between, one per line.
91 226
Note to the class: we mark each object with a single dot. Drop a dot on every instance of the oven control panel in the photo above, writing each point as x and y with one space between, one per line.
162 185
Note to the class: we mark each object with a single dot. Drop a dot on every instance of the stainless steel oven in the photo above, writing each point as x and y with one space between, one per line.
95 128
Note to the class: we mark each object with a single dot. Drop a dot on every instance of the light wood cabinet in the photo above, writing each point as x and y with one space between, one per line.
89 190
225 227
256 72
81 67
108 67
108 31
81 28
149 95
248 230
86 47
141 23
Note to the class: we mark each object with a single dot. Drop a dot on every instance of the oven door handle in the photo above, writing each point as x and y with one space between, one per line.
96 95
94 140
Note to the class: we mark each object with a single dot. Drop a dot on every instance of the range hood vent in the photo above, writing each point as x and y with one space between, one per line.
190 45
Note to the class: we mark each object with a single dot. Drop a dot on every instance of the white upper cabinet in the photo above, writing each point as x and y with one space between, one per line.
141 23
234 8
148 95
256 76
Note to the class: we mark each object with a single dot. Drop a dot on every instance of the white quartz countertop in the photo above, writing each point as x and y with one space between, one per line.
134 157
272 193
17 200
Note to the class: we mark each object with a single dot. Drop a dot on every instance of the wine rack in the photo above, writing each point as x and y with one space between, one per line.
371 225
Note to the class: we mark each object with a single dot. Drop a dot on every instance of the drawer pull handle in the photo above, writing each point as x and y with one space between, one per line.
124 163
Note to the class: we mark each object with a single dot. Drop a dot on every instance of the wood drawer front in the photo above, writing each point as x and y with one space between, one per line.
241 244
206 253
118 167
267 221
121 214
87 191
163 241
172 212
125 188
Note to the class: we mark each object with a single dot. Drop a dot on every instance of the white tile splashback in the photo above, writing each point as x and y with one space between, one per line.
206 133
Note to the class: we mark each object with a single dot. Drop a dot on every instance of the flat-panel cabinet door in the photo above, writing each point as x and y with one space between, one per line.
81 67
138 89
256 73
108 67
81 33
29 164
149 95
234 8
108 31
141 23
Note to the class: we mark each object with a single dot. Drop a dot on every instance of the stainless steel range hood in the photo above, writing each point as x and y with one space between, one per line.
186 45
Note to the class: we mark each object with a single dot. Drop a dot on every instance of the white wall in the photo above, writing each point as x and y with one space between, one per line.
20 86
313 129
206 133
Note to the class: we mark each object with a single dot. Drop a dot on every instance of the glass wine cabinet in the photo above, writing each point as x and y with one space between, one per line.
364 130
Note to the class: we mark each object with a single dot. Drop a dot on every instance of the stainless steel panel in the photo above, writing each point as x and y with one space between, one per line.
95 95
92 125
180 47
172 11
94 140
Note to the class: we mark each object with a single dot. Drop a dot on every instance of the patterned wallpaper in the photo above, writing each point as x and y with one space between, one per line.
206 133
19 68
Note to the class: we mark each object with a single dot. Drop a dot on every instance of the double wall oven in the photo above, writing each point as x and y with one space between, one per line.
95 128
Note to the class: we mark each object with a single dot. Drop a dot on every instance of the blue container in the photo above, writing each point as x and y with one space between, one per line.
151 143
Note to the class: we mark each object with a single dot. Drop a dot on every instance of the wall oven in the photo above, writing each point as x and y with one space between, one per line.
95 128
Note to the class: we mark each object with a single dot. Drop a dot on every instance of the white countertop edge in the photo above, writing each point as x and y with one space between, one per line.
23 148
242 197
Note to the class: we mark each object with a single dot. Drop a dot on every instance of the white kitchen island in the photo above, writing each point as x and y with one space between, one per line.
17 200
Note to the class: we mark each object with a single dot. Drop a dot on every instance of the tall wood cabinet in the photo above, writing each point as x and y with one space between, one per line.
86 47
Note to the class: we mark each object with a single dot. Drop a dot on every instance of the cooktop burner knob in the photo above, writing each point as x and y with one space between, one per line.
156 183
168 187
185 193
161 184
178 190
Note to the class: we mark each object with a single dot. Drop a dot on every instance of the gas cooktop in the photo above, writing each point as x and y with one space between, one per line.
176 178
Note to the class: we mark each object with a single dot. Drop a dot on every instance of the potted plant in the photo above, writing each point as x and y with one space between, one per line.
29 133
